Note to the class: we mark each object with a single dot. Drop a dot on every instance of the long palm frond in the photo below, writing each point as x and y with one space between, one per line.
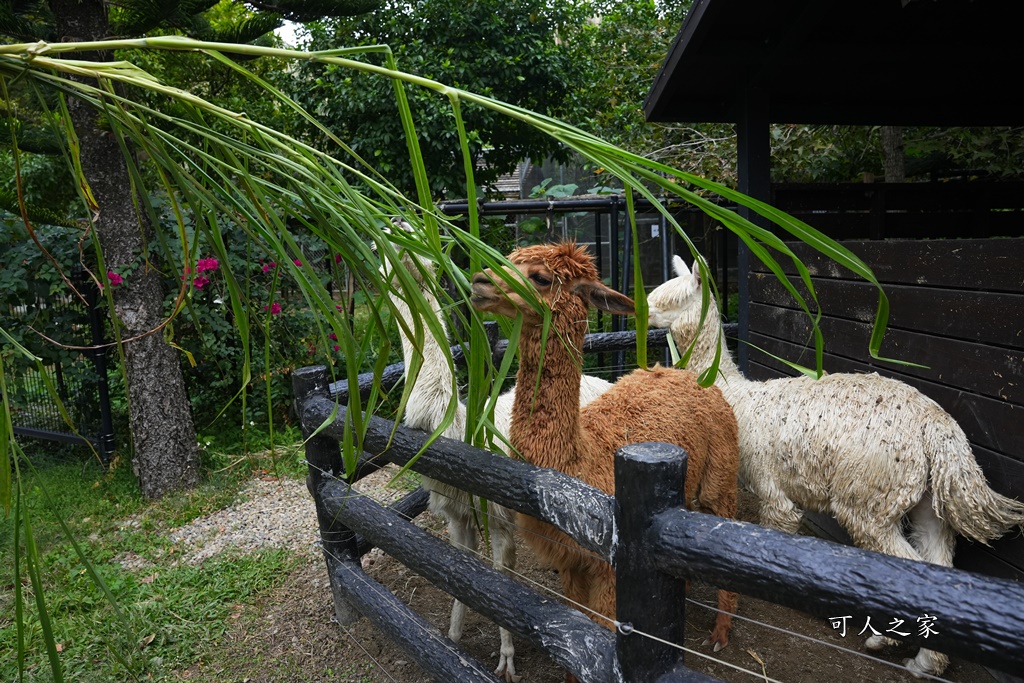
223 168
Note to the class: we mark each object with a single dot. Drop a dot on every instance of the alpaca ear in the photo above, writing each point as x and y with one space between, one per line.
696 270
679 265
605 298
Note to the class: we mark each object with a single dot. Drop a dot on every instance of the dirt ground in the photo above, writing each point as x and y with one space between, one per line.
288 635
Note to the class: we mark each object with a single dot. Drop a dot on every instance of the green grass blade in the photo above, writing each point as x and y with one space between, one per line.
32 565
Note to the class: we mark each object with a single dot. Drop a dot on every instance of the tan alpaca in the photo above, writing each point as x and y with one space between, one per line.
549 428
428 403
871 451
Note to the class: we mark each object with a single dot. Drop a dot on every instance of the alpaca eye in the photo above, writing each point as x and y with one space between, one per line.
540 280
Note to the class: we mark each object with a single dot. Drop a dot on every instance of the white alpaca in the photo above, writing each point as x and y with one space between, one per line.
868 450
428 402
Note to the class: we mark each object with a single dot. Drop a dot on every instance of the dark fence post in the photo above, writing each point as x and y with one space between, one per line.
105 437
324 458
649 478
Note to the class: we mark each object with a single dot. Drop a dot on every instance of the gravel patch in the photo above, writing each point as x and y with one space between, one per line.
270 513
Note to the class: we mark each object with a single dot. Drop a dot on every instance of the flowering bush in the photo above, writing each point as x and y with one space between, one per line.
278 318
213 356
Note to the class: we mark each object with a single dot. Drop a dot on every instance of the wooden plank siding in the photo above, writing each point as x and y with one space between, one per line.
907 210
957 307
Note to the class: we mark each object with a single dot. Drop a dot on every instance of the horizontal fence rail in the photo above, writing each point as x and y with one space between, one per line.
596 342
979 618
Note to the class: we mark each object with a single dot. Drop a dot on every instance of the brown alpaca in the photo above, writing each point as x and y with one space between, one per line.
549 428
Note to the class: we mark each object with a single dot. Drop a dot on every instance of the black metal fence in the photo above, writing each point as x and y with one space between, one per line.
78 378
666 544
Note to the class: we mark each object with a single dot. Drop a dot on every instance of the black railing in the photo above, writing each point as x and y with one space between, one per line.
80 383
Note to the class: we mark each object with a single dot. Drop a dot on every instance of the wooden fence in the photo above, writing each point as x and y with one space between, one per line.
654 543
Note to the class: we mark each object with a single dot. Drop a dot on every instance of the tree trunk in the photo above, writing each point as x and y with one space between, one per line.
166 456
892 148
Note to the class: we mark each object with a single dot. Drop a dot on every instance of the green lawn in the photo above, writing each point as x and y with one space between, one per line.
165 614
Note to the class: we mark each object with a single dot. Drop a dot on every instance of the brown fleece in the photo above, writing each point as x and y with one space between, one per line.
550 430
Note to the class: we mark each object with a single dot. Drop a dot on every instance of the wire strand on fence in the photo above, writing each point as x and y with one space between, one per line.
857 653
355 640
586 609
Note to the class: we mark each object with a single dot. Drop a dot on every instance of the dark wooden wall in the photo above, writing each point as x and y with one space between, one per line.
953 209
957 306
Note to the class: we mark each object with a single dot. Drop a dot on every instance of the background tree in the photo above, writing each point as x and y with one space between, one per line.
620 49
165 453
507 49
810 154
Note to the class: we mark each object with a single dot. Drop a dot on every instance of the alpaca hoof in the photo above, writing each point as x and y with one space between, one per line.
507 671
719 644
915 669
927 663
876 643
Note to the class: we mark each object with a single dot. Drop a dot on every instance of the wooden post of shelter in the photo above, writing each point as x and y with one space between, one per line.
338 542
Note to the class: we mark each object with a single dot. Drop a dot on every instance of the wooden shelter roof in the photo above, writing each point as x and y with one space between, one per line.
873 62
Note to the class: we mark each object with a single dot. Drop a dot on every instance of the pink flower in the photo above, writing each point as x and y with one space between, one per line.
333 336
268 266
339 308
337 258
298 262
200 282
114 278
337 348
274 308
207 264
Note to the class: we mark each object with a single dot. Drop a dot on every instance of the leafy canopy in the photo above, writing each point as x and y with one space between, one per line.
508 50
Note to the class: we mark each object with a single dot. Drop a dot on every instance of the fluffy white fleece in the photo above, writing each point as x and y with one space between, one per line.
868 450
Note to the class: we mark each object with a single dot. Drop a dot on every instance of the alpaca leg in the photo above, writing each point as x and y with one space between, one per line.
722 503
882 538
779 512
935 541
727 602
576 584
891 541
503 552
461 534
602 598
931 536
